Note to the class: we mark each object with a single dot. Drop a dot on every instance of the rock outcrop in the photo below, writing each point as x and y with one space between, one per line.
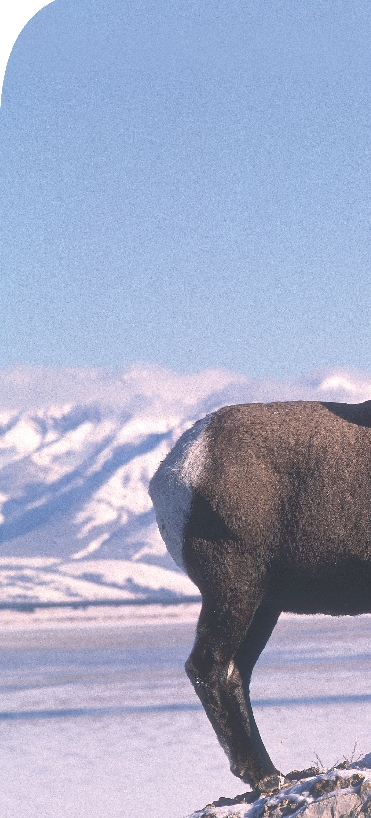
341 792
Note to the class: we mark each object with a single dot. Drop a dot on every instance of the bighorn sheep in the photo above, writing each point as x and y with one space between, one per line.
268 509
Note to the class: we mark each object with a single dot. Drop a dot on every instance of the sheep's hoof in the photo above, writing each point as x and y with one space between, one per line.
271 784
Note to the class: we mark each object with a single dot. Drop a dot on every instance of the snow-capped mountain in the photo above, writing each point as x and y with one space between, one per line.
75 462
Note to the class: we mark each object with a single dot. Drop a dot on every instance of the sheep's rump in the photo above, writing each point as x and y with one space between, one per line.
290 482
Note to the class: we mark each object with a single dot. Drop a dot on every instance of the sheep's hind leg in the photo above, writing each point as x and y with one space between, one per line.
253 644
222 630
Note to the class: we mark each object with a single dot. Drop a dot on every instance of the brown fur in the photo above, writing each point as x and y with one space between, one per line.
281 521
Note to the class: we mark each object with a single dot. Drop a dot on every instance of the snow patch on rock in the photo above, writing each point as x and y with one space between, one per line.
335 793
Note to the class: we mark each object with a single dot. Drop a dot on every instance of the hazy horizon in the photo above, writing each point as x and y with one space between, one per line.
31 387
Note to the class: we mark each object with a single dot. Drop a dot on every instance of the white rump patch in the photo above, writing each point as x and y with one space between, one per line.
171 488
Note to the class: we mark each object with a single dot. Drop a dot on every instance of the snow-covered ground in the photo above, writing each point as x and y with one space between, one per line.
77 450
99 719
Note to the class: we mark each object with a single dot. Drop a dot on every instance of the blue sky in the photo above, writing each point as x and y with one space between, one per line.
188 183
